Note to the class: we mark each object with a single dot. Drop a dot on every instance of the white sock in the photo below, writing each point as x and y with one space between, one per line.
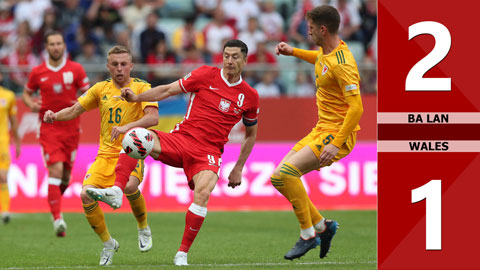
54 181
110 244
198 210
320 226
307 233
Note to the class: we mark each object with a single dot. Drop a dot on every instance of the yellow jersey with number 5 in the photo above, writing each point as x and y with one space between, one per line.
114 111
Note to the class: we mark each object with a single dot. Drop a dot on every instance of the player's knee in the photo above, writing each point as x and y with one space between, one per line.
130 188
84 197
276 172
201 197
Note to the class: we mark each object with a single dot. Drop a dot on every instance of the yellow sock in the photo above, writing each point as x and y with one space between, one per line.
4 197
297 195
314 214
95 217
139 209
277 183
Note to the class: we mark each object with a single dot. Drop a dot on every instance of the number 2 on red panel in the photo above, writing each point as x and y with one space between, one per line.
432 192
443 42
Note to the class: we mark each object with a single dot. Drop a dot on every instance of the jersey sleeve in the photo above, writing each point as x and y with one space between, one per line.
82 81
193 80
145 88
90 99
32 84
306 55
250 116
348 79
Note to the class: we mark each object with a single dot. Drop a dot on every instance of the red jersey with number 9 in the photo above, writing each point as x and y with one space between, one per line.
58 87
216 106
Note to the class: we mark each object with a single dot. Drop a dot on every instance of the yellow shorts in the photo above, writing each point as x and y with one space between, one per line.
4 156
102 172
317 139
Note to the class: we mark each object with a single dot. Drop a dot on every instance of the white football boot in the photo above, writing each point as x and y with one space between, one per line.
145 242
111 196
60 227
180 258
106 257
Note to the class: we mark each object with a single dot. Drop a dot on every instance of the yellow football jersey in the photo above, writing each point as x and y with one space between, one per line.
8 107
336 77
114 111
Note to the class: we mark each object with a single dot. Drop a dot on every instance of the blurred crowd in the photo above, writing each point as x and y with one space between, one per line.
172 37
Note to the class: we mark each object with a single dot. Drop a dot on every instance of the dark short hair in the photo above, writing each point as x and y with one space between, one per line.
325 15
237 44
51 33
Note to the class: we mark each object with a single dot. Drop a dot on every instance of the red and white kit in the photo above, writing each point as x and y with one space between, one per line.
58 88
215 106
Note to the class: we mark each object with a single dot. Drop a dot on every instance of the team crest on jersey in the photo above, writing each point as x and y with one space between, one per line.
3 102
57 88
324 69
224 105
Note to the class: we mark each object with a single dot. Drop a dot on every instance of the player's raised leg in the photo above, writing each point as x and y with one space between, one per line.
290 173
125 165
204 184
305 160
96 219
139 210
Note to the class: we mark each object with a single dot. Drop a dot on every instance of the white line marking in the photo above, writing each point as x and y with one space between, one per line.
204 265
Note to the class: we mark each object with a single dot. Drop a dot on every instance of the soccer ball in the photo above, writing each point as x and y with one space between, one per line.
138 143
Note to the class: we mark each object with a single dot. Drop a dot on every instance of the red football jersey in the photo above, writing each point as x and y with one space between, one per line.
216 106
58 87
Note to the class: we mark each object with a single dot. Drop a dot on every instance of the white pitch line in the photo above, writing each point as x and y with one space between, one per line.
193 265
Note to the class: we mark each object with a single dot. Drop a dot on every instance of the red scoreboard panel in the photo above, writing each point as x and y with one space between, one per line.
428 134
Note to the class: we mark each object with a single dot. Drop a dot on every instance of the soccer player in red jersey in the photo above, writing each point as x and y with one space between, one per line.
219 98
58 80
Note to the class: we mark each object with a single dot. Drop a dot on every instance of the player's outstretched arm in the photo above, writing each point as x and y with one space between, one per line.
235 177
150 119
66 114
155 94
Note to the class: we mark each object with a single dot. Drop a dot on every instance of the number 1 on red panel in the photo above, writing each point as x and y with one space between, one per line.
432 192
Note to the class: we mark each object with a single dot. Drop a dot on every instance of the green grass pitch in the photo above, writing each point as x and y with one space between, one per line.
228 240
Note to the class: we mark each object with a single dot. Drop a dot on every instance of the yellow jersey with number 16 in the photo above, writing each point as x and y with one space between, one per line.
114 111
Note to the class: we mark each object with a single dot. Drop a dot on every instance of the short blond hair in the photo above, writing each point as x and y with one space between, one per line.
119 49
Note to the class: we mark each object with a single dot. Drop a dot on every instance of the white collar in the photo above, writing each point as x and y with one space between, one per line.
56 69
230 84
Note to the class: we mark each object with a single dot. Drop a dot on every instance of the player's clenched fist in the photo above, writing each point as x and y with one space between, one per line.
49 117
283 48
128 95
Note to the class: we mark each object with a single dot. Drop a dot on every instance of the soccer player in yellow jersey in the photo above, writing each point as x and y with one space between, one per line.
118 116
8 113
339 111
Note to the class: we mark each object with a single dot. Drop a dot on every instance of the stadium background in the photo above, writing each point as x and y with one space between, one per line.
288 109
